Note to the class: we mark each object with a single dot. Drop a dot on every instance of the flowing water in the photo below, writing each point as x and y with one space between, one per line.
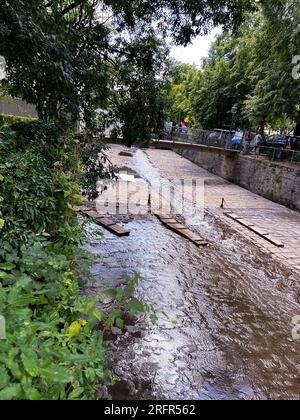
233 308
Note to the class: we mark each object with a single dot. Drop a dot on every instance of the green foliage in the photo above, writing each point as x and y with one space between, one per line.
126 305
275 93
13 119
43 357
180 96
52 349
94 161
181 19
251 68
37 196
66 60
139 103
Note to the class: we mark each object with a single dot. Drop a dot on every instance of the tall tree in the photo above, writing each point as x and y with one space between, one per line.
276 92
180 95
254 68
59 53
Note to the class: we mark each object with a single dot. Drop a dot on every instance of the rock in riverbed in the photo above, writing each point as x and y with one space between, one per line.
126 153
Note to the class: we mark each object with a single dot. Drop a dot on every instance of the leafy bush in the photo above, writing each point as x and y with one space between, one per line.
94 161
37 195
51 350
14 119
38 131
126 305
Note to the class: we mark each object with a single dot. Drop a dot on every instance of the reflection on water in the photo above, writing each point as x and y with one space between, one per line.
234 309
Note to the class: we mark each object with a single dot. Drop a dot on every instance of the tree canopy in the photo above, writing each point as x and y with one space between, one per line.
67 56
253 68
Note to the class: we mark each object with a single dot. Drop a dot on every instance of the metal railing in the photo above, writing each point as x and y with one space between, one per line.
279 154
223 139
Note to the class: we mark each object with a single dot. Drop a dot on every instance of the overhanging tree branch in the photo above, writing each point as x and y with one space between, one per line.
72 6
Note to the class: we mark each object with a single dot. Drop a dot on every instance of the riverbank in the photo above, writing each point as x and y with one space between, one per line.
233 304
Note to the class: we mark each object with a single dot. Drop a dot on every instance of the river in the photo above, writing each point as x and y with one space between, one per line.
232 304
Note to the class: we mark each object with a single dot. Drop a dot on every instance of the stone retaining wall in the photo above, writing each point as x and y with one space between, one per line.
275 181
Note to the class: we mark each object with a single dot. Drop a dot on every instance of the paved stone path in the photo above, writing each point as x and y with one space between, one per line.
278 220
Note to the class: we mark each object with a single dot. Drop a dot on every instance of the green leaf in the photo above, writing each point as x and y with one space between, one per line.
4 378
23 282
154 319
136 305
111 292
7 266
98 314
12 365
76 393
57 374
32 394
119 323
30 362
15 298
11 392
3 275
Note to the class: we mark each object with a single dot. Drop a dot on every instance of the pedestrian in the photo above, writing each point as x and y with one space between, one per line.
173 130
258 141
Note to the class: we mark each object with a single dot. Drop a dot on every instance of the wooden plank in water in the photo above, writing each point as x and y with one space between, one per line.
91 213
193 236
105 222
182 231
171 221
111 226
164 216
245 223
201 243
234 216
176 226
275 241
259 232
119 230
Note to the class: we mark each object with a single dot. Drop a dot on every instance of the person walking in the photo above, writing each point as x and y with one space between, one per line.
258 141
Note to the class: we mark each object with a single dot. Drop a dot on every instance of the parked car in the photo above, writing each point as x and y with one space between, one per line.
284 142
276 140
219 137
293 143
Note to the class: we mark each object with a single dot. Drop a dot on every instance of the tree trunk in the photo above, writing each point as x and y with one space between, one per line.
297 129
262 127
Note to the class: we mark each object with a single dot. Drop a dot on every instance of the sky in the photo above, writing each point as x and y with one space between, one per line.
194 52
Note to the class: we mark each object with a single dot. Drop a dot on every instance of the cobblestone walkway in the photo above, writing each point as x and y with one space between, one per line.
277 220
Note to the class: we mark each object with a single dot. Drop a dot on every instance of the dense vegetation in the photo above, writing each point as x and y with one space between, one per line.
51 349
253 69
69 58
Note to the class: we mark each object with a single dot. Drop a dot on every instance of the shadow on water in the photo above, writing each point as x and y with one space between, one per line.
233 305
